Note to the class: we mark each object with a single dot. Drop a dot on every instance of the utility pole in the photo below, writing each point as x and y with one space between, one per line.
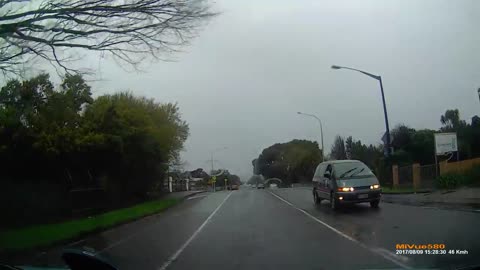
211 155
211 160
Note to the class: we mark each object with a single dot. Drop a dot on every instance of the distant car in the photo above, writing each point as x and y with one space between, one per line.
273 186
345 182
235 187
260 186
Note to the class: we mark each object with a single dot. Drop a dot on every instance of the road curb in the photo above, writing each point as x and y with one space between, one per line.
193 194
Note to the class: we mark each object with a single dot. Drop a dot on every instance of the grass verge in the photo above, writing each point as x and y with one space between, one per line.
48 234
389 190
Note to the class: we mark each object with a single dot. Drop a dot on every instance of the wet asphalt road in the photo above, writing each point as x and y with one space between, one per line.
283 229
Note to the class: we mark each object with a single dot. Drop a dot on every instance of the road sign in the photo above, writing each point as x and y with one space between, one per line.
212 180
445 143
384 138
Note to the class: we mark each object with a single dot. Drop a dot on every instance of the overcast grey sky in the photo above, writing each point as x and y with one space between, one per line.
241 82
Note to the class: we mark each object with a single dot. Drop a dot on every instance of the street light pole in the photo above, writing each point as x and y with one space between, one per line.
214 151
379 79
321 129
386 116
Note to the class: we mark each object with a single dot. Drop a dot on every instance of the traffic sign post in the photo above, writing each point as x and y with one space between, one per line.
226 180
445 143
214 180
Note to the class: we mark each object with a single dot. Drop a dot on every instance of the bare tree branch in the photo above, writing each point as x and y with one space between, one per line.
129 30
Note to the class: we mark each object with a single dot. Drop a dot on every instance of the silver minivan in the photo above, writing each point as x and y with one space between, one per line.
345 182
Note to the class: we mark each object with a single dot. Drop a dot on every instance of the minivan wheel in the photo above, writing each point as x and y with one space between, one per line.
333 202
374 204
316 199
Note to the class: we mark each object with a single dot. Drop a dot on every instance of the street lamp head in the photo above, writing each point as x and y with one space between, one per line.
336 67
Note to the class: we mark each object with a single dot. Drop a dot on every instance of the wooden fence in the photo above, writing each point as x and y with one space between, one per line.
423 177
459 166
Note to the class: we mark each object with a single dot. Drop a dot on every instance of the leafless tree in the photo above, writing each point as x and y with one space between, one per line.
130 30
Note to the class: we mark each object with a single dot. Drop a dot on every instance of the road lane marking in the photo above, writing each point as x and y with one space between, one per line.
196 197
376 251
392 255
180 250
125 239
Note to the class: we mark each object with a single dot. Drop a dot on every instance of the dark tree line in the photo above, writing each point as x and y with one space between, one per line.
411 145
295 161
64 139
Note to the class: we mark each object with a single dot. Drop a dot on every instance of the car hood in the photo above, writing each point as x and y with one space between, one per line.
40 268
357 182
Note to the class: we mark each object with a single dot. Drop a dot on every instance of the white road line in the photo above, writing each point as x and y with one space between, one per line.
123 240
180 250
376 251
196 197
393 255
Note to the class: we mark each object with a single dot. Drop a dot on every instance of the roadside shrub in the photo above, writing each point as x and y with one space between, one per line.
451 180
473 176
470 177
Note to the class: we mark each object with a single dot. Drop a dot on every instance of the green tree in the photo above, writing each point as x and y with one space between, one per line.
349 147
451 120
137 136
62 135
338 149
294 161
475 134
40 125
423 146
452 123
358 151
402 136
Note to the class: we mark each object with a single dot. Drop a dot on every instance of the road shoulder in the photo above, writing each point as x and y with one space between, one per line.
463 199
102 242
